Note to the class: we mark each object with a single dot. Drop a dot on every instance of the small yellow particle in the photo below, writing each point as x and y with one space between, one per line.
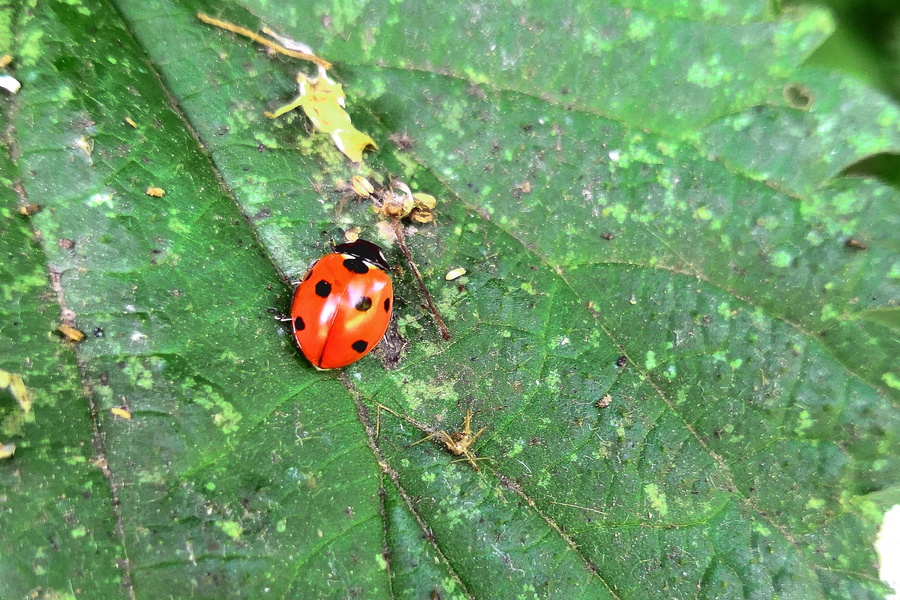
454 274
120 412
603 402
6 60
155 192
131 122
70 333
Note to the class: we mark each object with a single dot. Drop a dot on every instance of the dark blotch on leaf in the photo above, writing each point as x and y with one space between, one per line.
855 244
323 288
798 96
622 361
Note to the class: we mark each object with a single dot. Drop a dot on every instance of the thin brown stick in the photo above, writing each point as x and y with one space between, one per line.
398 230
261 40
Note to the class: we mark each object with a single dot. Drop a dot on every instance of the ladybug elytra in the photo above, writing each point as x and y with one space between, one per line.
342 307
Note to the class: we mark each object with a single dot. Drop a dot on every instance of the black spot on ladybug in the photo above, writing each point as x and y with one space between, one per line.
299 325
387 305
356 265
323 288
364 303
360 346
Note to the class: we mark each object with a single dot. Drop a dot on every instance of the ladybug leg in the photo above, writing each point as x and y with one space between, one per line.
278 315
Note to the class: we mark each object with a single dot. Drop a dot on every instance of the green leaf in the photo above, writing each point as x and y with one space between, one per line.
678 321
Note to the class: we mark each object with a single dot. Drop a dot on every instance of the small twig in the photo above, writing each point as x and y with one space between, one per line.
398 230
261 40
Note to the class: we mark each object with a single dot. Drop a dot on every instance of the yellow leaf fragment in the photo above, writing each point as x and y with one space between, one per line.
352 142
322 99
155 192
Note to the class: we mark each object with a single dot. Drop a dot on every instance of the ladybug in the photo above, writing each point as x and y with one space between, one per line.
343 306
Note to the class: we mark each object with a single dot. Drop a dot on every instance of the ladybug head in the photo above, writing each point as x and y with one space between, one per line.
365 250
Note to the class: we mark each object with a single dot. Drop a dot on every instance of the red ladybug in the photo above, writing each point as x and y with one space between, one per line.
343 306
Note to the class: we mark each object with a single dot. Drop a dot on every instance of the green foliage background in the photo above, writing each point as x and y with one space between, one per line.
675 183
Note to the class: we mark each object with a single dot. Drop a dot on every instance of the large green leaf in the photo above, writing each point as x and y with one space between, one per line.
649 205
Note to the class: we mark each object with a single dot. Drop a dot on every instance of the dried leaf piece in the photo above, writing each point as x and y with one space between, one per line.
29 209
362 186
423 208
322 99
155 192
281 49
